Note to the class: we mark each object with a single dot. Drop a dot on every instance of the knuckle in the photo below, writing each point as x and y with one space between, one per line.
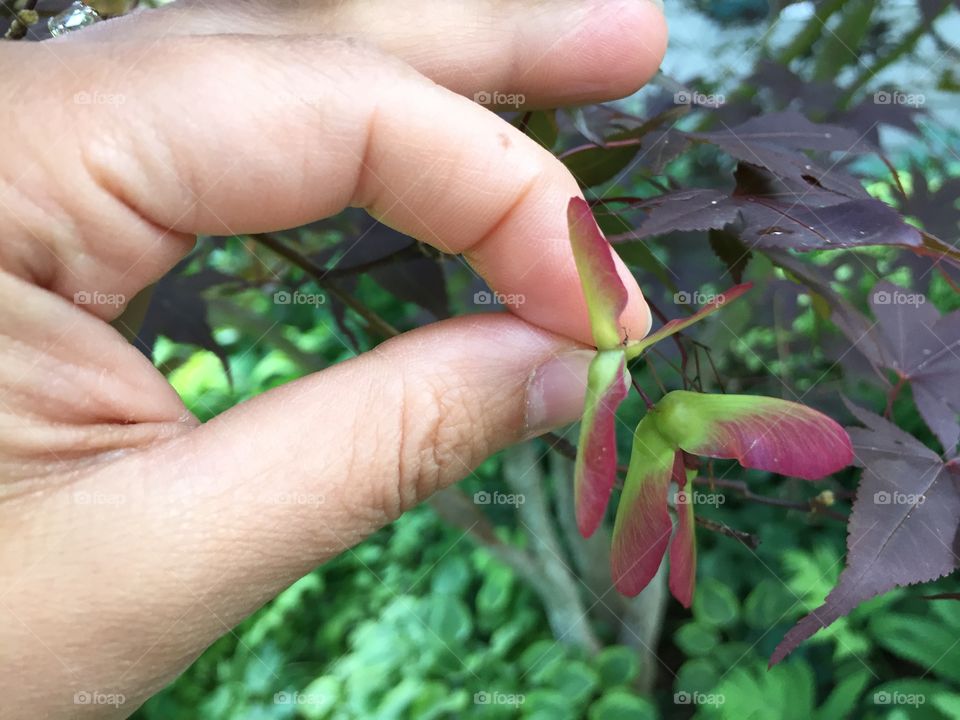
440 438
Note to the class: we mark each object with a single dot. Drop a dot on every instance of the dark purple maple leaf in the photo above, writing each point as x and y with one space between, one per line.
787 129
731 252
903 527
855 325
770 212
923 348
394 261
868 115
796 165
649 144
683 211
178 311
937 210
797 225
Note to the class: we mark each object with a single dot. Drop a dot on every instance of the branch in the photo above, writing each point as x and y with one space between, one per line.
684 358
566 611
374 322
748 539
817 505
413 251
457 509
591 556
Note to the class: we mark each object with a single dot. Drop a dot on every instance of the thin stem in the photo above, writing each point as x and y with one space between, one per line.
699 381
670 364
813 505
892 397
639 389
894 174
676 338
946 276
412 251
374 322
656 377
748 539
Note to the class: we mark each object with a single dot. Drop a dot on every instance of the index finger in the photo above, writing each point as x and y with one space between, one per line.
238 135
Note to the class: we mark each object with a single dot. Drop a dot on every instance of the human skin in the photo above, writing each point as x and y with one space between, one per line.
132 536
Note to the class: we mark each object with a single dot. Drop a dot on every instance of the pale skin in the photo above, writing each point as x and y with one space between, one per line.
242 118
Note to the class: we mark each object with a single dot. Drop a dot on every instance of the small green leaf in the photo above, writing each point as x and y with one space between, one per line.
617 665
843 699
622 705
696 638
715 604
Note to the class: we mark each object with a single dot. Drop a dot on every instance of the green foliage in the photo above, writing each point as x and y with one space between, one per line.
420 625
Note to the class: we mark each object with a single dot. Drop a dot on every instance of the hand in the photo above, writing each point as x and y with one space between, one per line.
303 110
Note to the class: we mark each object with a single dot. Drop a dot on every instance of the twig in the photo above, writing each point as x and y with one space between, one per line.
891 398
748 539
669 363
896 175
814 505
374 321
639 389
656 377
457 509
716 373
412 251
676 338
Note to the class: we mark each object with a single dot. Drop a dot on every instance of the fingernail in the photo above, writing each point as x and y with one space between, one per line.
556 390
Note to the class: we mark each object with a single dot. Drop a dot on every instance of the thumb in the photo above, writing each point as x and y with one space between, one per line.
205 528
